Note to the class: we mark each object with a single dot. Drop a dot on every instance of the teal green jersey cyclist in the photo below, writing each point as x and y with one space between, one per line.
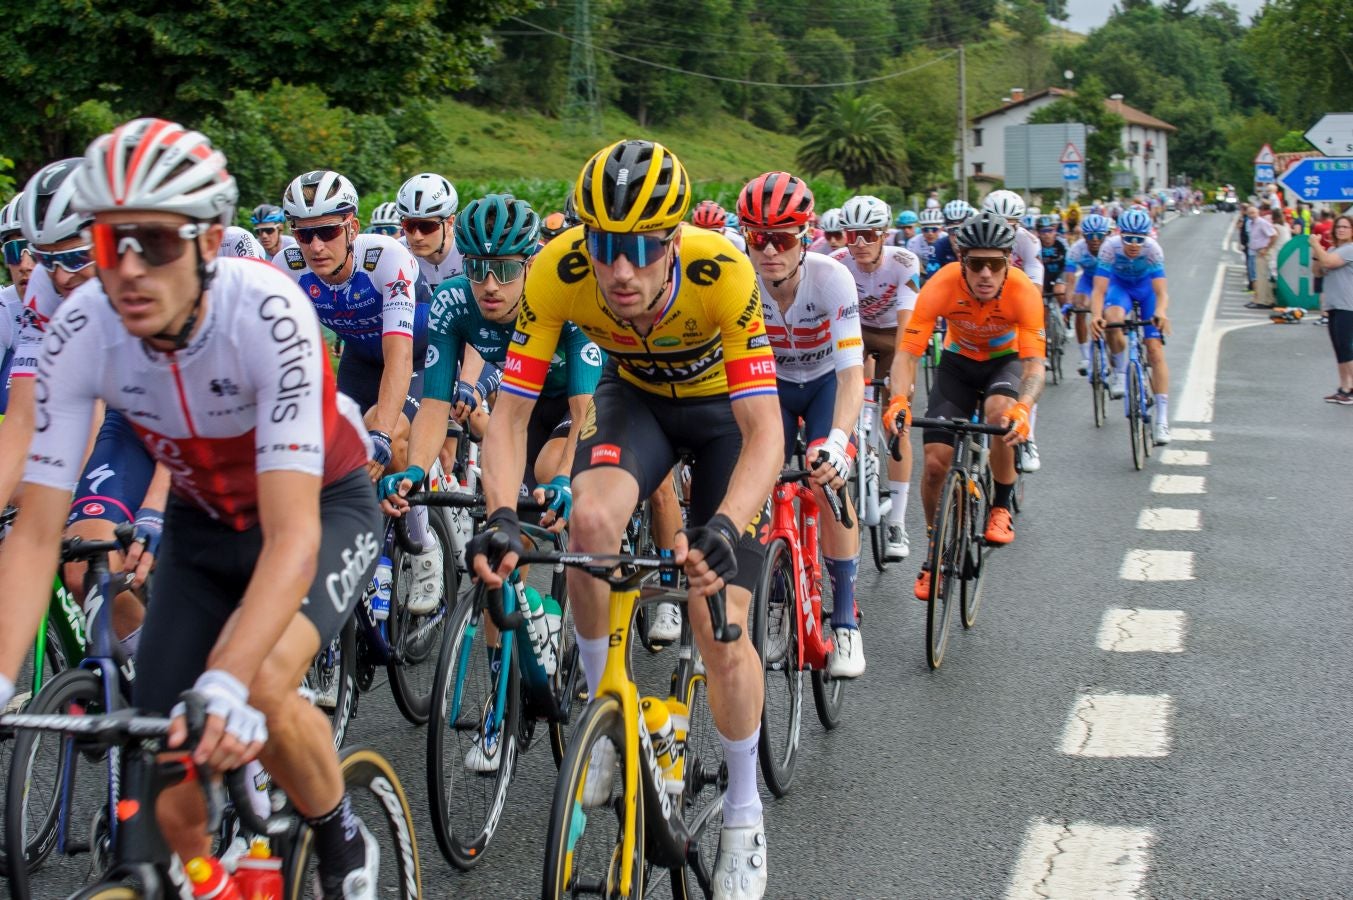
474 316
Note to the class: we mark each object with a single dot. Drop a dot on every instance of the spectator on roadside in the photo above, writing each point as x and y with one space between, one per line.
1283 232
1323 226
1243 227
1337 301
1262 234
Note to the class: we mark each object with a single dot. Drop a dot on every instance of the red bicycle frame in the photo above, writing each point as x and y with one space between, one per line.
798 526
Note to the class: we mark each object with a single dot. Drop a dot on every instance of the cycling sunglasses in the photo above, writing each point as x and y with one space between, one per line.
1047 231
783 241
387 230
423 226
14 251
865 235
326 233
640 249
1134 239
73 260
265 229
157 245
993 264
931 229
477 269
834 235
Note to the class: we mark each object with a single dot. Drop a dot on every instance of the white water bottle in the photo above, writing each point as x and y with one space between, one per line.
380 600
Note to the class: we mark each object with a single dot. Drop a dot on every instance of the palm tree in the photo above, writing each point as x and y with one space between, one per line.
858 137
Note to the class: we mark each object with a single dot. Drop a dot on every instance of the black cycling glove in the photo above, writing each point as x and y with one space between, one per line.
502 521
717 540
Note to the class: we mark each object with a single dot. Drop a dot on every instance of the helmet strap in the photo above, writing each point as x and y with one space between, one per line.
205 274
803 253
346 256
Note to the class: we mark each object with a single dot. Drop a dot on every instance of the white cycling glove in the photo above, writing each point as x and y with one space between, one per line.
229 699
6 691
837 448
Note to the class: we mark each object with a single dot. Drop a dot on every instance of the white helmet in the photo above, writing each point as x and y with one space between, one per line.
155 164
9 216
385 214
957 211
427 196
1006 204
46 213
864 212
830 220
330 193
931 215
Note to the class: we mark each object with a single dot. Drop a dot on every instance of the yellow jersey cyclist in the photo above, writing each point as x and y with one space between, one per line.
993 347
690 370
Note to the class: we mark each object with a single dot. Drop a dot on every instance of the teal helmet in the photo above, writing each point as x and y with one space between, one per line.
498 225
906 217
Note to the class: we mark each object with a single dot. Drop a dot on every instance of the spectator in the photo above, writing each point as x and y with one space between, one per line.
1337 301
1262 235
1324 225
1243 226
1283 232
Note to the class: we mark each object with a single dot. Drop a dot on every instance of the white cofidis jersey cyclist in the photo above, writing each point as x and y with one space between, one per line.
820 332
889 288
252 392
39 305
435 273
1027 255
241 245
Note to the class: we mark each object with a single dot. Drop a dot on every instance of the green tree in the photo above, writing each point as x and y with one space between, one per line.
1029 21
1103 129
856 136
1305 46
1177 10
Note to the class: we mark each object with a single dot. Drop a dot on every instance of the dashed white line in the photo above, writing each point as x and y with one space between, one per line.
1179 484
1142 631
1081 859
1164 518
1118 725
1191 434
1157 565
1173 457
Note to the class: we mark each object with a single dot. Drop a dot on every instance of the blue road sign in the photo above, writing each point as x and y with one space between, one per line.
1263 174
1071 171
1316 178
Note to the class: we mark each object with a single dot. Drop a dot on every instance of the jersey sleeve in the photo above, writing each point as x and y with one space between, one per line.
748 359
929 306
909 285
1032 255
289 434
41 295
848 344
1029 337
584 360
539 324
64 399
1155 258
1104 263
396 277
439 378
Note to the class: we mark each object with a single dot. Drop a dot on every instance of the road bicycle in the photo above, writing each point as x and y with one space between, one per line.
789 630
1137 399
930 360
869 476
1099 373
1054 332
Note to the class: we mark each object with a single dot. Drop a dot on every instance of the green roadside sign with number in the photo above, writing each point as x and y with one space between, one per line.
1296 284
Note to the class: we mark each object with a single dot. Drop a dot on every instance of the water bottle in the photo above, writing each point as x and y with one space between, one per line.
667 577
871 490
380 600
210 880
670 751
259 874
532 606
554 621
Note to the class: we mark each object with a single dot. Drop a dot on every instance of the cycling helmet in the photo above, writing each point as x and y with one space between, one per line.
266 212
731 222
830 220
864 212
633 186
46 212
775 200
957 211
906 217
386 214
986 231
1134 221
571 211
9 216
1034 211
1027 221
498 225
427 196
931 216
319 193
1006 204
553 225
709 214
1095 226
1048 222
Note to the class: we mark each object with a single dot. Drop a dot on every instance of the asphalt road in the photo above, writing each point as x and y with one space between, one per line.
1229 779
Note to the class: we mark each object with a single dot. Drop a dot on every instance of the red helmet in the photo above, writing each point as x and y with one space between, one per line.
709 214
775 200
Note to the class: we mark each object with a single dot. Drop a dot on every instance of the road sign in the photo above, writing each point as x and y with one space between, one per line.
1265 157
1296 286
1320 178
1072 154
1333 134
1071 171
1263 174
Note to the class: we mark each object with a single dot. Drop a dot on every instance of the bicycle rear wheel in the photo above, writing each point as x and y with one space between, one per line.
583 845
1133 399
1098 388
415 639
1053 331
775 635
946 564
705 783
333 680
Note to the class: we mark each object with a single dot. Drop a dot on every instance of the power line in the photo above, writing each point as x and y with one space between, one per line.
743 81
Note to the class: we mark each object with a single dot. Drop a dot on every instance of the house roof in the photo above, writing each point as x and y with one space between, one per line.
1130 114
1028 98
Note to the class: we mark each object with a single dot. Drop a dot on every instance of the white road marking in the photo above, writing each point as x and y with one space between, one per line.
1142 631
1119 725
1191 434
1173 457
1157 565
1196 403
1179 484
1081 859
1164 518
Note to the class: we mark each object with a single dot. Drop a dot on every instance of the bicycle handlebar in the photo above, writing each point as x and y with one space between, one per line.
1128 323
836 498
454 499
958 426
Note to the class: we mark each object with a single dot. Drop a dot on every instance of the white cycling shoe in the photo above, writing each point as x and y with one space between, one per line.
1160 432
847 659
740 873
1117 386
482 758
600 774
899 544
665 625
426 592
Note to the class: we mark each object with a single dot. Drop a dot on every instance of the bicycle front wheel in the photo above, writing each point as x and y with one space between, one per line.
775 635
1098 389
583 846
415 638
333 680
108 892
1133 399
946 566
974 550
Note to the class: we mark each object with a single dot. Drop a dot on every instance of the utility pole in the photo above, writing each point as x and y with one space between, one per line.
582 106
962 128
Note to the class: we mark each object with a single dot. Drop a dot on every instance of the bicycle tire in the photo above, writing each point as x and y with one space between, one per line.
1133 398
452 788
1099 390
829 695
975 551
603 718
566 684
1148 404
414 639
367 775
337 663
1053 336
23 697
705 769
945 564
108 892
777 646
37 834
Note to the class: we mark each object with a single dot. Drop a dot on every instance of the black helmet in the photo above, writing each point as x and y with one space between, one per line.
985 231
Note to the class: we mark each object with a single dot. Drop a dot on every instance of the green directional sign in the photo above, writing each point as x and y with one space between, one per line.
1296 284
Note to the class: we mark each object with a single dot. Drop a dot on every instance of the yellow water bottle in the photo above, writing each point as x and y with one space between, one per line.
666 747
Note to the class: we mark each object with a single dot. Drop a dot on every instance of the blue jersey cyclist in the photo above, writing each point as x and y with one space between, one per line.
269 223
924 244
1082 261
1131 271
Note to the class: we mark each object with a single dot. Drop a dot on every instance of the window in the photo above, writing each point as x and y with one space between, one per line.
977 168
977 137
1133 148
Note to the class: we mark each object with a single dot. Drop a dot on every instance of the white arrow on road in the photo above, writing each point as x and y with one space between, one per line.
1333 134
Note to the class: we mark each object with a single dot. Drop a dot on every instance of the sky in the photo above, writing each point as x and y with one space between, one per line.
1087 14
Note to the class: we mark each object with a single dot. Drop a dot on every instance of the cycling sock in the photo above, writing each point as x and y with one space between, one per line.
418 525
1085 351
1002 494
901 490
742 803
131 642
842 573
1162 408
1033 421
592 656
1119 363
339 844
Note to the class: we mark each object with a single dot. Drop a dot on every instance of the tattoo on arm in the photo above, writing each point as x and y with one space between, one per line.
1031 383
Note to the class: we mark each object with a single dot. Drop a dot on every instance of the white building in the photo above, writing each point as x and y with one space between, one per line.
1145 139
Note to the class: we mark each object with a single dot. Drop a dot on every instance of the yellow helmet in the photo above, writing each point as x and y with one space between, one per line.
633 186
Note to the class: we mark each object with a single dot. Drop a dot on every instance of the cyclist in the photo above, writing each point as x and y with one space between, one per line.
690 370
384 220
711 216
239 243
832 237
905 231
553 225
955 213
886 281
1131 272
269 222
1081 261
19 265
813 319
270 505
993 348
923 244
1053 254
427 213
